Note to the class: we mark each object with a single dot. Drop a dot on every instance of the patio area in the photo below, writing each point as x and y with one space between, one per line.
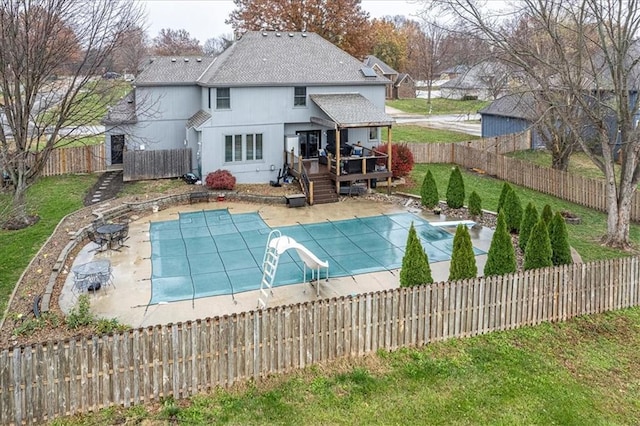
128 299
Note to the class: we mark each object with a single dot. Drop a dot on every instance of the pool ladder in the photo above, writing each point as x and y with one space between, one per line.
269 267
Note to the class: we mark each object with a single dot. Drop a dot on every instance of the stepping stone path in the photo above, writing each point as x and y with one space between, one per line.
107 187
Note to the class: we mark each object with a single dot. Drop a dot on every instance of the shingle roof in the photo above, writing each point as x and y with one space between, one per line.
124 112
479 76
198 119
288 58
174 70
371 60
518 105
351 110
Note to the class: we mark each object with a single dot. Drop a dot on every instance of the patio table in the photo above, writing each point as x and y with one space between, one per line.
109 231
92 275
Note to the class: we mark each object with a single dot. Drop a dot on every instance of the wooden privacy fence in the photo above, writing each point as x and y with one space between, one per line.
79 159
156 164
490 159
43 381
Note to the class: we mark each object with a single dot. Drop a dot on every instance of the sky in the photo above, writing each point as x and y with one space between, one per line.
204 19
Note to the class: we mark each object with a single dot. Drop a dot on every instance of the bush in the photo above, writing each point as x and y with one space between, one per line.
475 205
455 189
538 253
220 179
415 263
503 194
463 260
528 222
80 314
512 211
559 237
547 214
429 191
501 258
401 159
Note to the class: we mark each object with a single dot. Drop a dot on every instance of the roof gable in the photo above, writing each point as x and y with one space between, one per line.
287 58
173 70
372 61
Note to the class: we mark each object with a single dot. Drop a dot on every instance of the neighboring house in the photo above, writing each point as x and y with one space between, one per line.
453 72
485 81
267 93
400 86
510 114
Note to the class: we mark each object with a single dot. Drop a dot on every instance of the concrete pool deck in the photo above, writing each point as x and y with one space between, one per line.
128 299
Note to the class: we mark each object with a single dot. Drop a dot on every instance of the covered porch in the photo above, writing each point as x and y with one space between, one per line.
348 166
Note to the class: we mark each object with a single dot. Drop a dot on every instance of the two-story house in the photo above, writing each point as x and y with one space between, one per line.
268 93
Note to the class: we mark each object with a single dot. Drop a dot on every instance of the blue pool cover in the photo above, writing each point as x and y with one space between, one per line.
213 252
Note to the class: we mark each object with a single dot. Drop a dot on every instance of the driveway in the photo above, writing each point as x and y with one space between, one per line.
463 123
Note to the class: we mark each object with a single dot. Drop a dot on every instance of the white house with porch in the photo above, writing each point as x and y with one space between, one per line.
267 94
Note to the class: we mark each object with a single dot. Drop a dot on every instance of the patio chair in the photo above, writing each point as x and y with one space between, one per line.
85 283
106 278
97 239
122 236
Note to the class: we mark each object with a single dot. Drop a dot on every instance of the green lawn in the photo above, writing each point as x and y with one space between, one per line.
439 106
579 164
584 237
51 198
580 372
419 134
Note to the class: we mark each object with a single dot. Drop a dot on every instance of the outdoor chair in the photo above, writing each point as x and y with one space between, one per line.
98 240
97 223
122 236
85 283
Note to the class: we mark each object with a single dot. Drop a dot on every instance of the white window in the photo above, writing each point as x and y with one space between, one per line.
223 98
300 96
238 148
254 146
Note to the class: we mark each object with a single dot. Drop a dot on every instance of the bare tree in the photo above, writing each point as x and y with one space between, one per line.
176 42
584 57
133 49
40 38
217 45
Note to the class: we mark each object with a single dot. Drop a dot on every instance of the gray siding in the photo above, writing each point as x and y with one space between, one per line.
494 125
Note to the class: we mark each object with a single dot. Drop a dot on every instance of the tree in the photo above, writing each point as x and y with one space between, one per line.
463 260
342 22
429 191
132 52
538 252
528 222
503 194
584 57
176 42
217 45
547 214
389 44
40 38
415 262
475 205
559 237
455 189
513 211
501 258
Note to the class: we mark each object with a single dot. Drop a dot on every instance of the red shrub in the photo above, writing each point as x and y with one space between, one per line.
401 159
220 179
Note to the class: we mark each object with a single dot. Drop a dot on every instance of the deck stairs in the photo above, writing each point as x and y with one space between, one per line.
324 189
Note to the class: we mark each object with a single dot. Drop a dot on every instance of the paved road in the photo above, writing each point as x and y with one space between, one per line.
464 123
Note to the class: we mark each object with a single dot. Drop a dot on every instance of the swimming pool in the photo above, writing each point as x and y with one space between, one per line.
213 252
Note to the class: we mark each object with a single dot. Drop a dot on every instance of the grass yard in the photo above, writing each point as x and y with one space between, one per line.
420 134
583 371
584 237
579 164
52 198
439 106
